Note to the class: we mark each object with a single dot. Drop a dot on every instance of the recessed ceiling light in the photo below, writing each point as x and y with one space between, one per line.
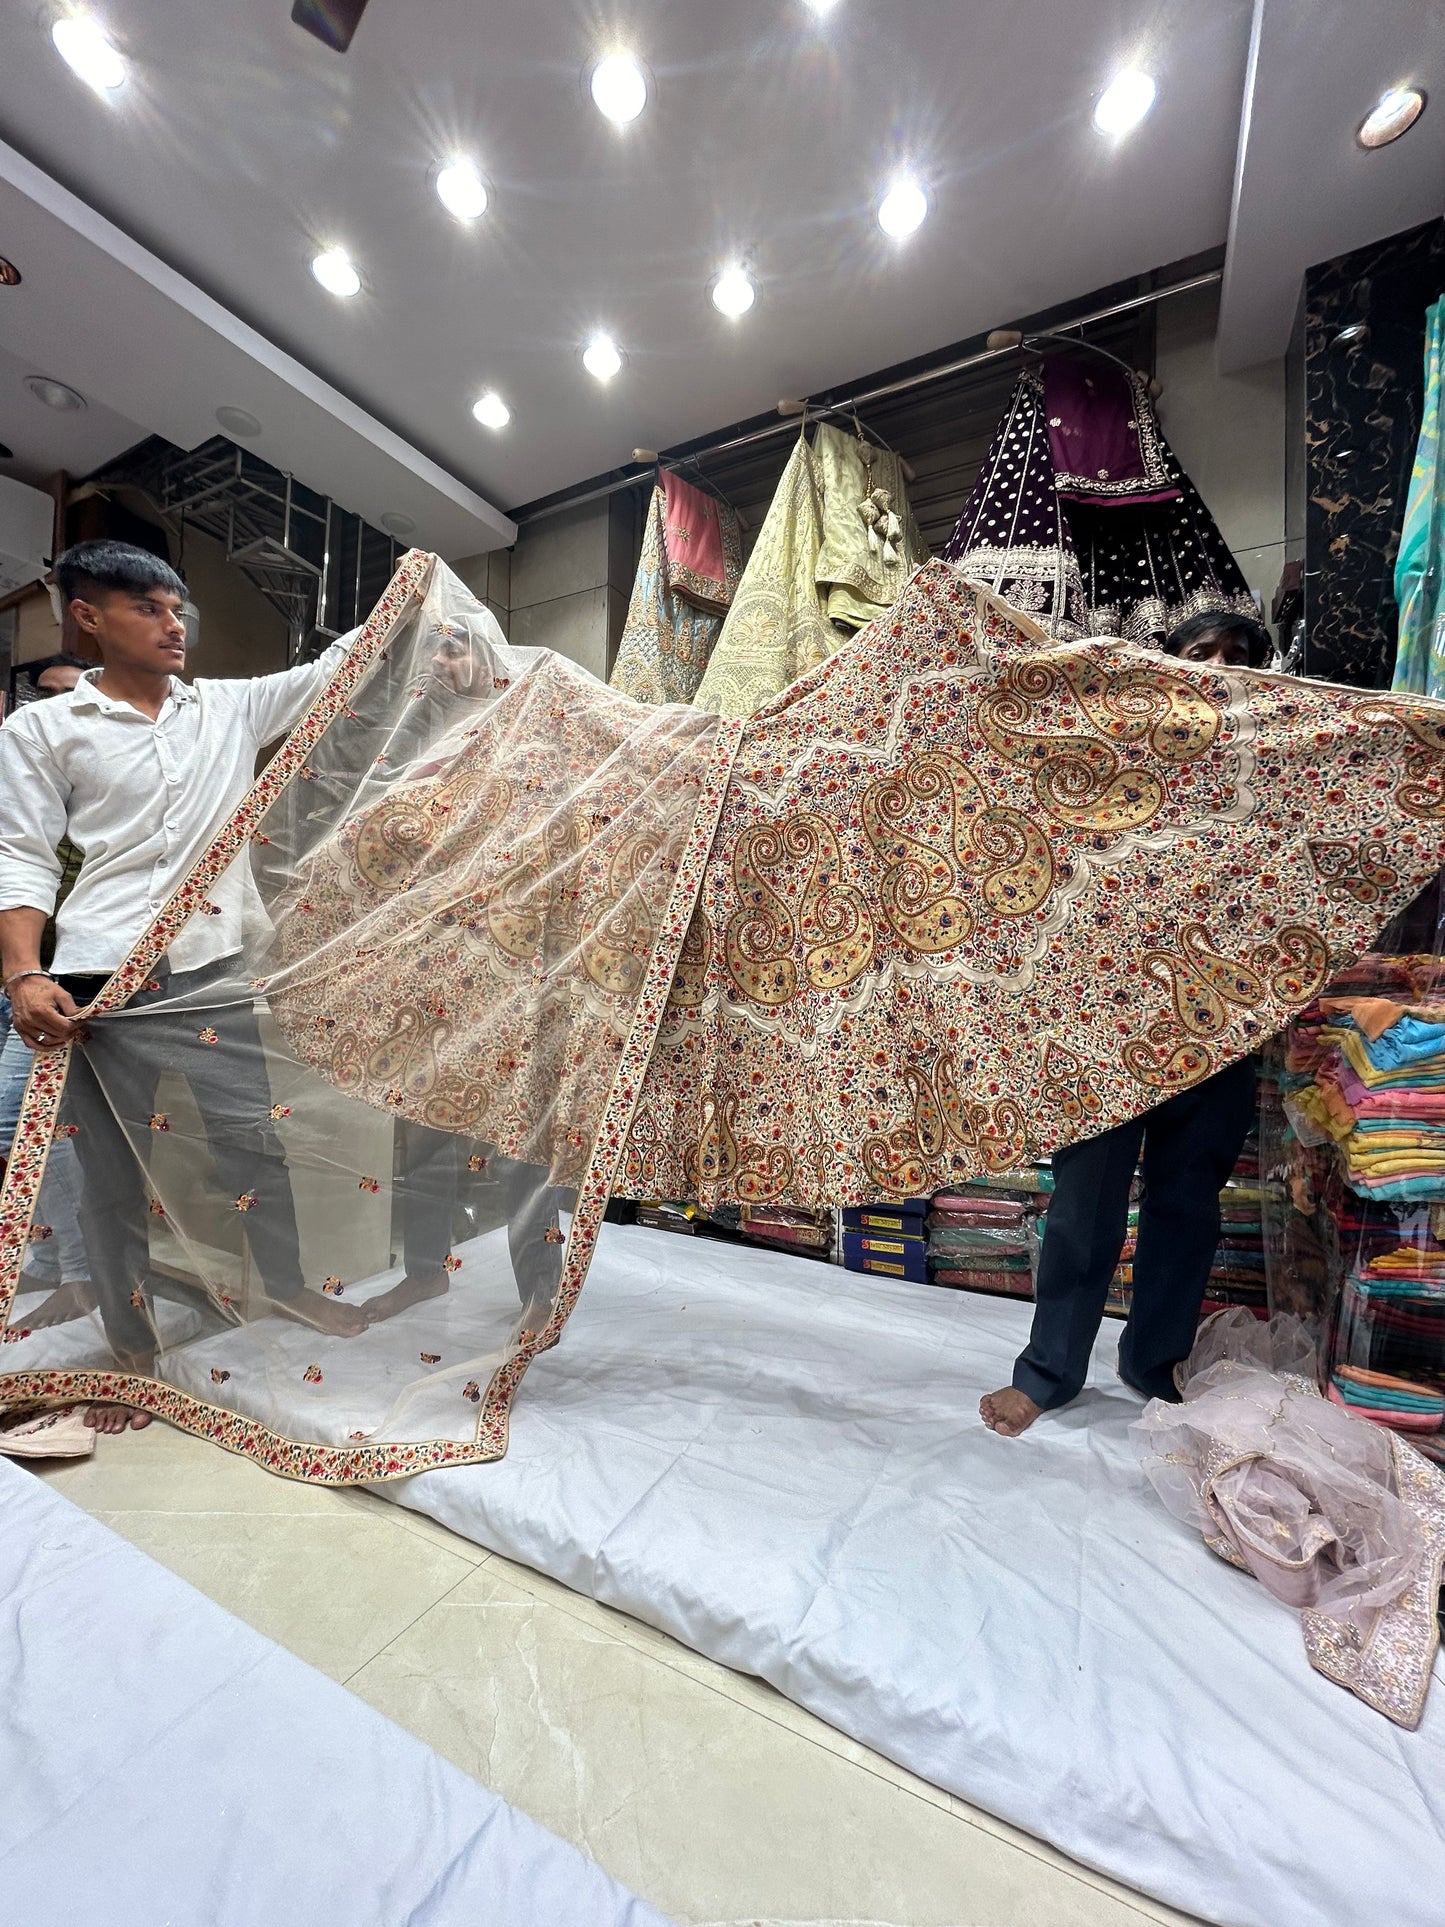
461 191
1125 102
55 394
491 411
903 207
84 46
601 358
619 87
334 270
1392 115
734 292
238 421
395 523
822 7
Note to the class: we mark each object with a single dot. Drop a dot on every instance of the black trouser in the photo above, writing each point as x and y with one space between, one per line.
111 1092
1190 1144
430 1179
431 1169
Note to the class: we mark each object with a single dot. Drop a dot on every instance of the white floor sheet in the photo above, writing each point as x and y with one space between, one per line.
781 1464
161 1762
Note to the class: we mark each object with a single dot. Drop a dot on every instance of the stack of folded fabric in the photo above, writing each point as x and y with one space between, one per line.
1121 1288
1237 1276
1363 1088
660 1214
889 1239
985 1236
784 1227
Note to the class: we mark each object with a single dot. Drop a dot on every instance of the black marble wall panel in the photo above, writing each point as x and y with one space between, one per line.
1362 400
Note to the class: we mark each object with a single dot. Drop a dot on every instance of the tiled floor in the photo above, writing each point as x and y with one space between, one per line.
701 1789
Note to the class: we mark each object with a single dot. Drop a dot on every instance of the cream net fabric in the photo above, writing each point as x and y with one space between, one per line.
330 1181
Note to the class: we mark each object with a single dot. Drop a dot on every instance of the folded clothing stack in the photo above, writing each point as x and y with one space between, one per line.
985 1236
1238 1275
660 1214
786 1227
1121 1288
888 1239
1388 1355
1364 1092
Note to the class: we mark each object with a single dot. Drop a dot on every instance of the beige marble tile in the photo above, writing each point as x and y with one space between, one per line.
335 1586
162 1469
685 1794
376 1507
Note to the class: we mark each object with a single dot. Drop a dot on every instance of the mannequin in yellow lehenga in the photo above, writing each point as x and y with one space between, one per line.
821 568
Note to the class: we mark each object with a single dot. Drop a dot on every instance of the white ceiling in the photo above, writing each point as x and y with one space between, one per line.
1305 189
240 146
43 441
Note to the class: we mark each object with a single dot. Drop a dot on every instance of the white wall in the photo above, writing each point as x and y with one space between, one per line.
1229 433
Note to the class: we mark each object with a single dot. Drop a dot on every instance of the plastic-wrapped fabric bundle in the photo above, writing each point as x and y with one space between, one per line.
1340 1520
1359 1152
516 942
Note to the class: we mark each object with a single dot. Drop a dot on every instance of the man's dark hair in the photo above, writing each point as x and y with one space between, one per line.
1225 625
96 566
33 671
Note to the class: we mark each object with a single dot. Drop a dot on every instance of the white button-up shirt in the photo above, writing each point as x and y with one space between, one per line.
141 799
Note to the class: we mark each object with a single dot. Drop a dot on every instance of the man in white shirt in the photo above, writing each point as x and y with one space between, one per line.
140 770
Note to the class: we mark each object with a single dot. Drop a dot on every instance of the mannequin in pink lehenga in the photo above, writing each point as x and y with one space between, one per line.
1339 1518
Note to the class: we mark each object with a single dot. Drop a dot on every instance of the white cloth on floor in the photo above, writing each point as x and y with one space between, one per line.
782 1466
161 1762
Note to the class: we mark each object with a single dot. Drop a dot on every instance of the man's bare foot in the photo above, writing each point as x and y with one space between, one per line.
411 1291
1008 1412
324 1314
115 1418
70 1301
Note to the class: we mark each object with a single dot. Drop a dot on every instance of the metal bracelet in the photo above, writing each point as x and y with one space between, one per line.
20 975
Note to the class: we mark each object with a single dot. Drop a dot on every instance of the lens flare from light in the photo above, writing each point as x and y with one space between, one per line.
601 357
335 271
1392 115
461 190
491 411
619 88
903 208
734 292
87 50
1125 102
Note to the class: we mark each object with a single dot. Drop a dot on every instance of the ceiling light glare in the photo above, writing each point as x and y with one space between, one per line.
903 207
491 411
601 358
1125 102
734 292
822 7
86 49
619 88
55 394
461 191
1392 115
334 270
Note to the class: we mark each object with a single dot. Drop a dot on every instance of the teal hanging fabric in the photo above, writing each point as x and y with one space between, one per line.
1420 565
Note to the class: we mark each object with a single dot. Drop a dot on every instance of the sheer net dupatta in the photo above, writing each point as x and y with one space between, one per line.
1337 1517
340 1187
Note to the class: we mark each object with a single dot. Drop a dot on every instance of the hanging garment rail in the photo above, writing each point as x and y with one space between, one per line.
789 424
